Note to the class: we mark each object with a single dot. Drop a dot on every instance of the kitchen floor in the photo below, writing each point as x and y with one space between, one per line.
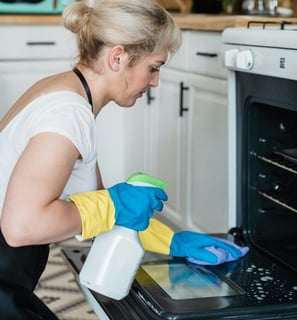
58 289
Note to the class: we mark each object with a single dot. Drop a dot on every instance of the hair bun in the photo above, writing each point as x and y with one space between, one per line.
77 15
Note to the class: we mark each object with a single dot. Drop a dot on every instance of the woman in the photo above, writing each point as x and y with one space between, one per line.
48 149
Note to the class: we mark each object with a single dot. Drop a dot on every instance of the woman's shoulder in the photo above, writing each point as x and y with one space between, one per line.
62 97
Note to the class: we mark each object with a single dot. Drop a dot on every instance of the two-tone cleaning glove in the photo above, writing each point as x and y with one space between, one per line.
198 247
123 204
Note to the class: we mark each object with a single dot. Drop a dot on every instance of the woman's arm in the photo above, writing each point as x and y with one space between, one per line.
32 212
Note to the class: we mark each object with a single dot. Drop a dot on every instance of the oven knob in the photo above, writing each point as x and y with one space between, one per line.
230 57
244 60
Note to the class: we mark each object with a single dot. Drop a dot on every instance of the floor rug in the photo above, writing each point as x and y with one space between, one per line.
59 290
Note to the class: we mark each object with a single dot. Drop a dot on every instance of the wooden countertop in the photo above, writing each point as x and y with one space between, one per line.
186 21
19 19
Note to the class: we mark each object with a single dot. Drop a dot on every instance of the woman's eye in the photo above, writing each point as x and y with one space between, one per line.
155 69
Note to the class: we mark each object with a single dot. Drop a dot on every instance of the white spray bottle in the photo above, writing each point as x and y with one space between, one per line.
114 257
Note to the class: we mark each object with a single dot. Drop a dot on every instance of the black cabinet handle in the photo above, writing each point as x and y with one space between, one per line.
41 43
149 96
182 109
207 54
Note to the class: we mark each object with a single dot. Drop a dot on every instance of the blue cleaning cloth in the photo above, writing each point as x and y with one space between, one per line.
222 254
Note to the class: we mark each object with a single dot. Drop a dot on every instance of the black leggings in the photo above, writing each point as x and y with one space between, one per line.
20 270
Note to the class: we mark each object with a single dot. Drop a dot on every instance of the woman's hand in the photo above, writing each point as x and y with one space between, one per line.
135 205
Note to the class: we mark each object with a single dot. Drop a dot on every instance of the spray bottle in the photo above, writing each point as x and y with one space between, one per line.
114 257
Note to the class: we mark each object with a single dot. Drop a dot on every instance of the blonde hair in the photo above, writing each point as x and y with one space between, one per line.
141 26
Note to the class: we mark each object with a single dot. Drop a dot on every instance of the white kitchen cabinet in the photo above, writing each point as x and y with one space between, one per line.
190 150
31 53
16 77
111 149
207 178
138 135
124 136
169 146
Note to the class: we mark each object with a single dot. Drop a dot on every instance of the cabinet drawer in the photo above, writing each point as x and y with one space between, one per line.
36 42
204 54
200 53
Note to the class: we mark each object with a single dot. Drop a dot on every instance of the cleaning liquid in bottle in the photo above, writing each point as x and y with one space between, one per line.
114 257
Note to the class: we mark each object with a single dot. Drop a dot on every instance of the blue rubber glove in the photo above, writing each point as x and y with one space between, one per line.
192 244
135 205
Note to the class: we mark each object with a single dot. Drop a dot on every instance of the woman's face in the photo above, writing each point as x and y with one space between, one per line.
138 78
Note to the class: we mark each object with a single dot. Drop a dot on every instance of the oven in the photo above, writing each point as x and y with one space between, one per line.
262 64
262 76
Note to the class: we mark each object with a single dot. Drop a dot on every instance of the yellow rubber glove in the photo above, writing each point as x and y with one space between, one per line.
157 237
96 210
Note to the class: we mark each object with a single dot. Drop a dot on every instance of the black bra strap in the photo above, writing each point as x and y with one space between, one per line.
85 85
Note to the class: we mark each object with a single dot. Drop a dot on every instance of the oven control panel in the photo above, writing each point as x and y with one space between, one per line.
268 52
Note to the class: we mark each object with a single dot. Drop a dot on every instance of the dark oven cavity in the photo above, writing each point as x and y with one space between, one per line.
267 158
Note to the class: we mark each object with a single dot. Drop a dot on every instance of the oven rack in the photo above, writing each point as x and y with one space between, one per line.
281 200
280 161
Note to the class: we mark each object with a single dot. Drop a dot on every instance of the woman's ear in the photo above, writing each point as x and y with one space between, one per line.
118 57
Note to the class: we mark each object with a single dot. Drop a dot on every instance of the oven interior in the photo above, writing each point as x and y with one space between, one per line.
267 164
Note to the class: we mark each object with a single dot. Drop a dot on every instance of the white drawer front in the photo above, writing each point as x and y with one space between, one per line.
204 54
36 42
200 53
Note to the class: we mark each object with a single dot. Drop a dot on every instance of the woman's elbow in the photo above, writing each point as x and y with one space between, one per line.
13 234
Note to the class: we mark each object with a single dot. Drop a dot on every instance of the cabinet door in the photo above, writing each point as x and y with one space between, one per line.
18 76
124 140
169 147
138 133
207 175
33 53
111 144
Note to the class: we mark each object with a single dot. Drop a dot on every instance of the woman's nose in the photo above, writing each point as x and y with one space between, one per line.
154 81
